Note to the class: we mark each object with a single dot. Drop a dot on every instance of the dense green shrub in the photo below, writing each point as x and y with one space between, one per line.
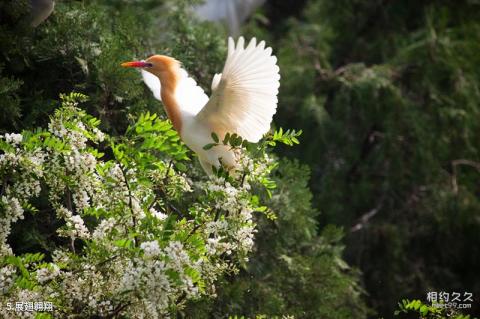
140 236
387 94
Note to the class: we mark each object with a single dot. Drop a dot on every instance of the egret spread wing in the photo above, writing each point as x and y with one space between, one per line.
244 99
190 97
153 83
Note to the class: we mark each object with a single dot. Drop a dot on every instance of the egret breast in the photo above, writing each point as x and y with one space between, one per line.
196 136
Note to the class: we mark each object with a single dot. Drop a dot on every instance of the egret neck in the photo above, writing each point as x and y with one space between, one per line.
169 77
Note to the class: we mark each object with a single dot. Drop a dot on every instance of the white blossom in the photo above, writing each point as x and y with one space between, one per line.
75 226
158 214
6 278
81 230
13 211
13 138
99 135
81 200
177 255
150 248
105 226
48 273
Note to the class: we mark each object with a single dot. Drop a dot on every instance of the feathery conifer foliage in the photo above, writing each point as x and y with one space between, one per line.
387 94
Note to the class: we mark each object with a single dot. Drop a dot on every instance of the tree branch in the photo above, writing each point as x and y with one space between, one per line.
118 309
364 219
458 162
4 186
163 196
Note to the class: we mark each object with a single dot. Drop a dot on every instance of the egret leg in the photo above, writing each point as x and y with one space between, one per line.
207 166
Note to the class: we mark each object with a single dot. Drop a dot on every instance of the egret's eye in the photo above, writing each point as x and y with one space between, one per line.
148 64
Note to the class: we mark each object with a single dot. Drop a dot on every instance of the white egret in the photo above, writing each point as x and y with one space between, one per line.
243 100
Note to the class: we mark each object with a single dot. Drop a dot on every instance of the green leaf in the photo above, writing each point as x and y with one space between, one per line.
181 167
226 139
424 310
215 137
123 243
209 146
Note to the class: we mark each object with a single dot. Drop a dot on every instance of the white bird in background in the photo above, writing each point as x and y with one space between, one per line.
232 12
243 101
40 11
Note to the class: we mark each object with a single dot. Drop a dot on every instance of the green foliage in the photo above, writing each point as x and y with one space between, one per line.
289 137
10 101
134 236
294 270
387 95
77 47
427 312
261 317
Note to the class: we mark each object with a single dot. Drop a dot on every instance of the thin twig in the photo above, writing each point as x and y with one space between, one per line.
72 244
130 203
243 178
69 199
97 265
217 214
169 204
4 186
154 201
119 308
165 178
458 162
367 216
164 182
194 229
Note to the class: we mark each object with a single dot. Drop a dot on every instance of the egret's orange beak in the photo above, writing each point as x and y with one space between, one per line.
136 64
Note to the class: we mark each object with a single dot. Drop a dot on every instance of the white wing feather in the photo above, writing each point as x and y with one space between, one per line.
190 97
153 83
245 99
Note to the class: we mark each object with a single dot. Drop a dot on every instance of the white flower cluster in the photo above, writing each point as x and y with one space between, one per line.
104 228
179 232
99 135
79 163
13 138
27 184
47 273
157 214
79 229
150 248
177 256
72 134
236 231
6 278
149 277
12 211
75 226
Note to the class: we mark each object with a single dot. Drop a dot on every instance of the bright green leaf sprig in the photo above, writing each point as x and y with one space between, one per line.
427 311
